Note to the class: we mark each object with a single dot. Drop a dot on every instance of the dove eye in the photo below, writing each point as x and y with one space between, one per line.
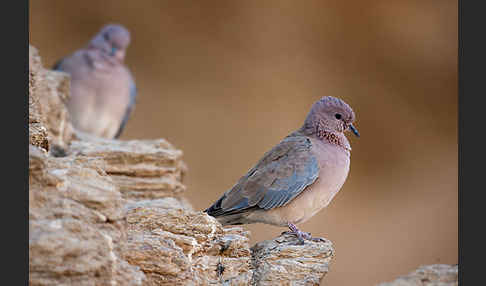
338 116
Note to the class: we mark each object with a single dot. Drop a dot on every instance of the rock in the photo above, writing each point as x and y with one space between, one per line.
68 179
167 203
282 261
75 224
48 91
75 232
428 275
177 246
37 131
35 66
67 251
38 136
142 169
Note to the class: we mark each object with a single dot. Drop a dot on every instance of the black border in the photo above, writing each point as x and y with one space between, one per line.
15 141
23 221
471 87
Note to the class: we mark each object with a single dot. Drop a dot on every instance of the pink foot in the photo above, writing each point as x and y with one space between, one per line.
301 235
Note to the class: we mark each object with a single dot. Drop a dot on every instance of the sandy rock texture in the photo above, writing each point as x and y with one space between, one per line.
274 260
428 275
171 253
76 224
48 91
111 212
142 169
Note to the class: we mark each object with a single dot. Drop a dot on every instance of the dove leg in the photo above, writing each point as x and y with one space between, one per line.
301 235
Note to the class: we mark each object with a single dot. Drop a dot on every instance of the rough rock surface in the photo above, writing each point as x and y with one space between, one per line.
283 257
171 253
142 169
110 212
428 275
38 136
48 90
76 224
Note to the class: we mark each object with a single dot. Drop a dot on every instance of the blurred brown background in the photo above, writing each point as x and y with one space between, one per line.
226 80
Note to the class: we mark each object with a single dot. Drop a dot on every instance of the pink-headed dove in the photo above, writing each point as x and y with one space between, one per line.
296 178
103 90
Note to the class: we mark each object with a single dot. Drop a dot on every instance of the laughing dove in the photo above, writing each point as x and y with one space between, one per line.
296 178
103 91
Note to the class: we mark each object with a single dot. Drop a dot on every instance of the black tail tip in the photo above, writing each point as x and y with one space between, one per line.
215 208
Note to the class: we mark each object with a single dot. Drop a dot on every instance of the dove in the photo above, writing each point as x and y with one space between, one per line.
298 177
103 90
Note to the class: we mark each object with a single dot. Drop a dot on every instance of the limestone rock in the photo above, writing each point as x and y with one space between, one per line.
142 169
428 275
84 183
55 113
35 66
181 247
48 91
165 203
37 131
76 231
282 261
38 136
67 251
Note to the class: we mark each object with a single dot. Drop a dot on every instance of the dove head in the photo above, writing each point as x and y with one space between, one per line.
112 40
331 114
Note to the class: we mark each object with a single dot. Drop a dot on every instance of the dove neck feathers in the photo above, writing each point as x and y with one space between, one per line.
326 135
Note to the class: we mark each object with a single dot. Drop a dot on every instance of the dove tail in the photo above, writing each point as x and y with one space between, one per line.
235 217
215 209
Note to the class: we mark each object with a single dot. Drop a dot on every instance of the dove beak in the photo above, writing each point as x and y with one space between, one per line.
355 131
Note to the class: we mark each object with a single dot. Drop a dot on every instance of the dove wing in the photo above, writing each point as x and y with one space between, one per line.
282 174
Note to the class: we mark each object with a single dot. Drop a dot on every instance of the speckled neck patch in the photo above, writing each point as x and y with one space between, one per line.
331 138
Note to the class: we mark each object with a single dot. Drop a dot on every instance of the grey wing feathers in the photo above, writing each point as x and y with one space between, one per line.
282 174
285 189
130 107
